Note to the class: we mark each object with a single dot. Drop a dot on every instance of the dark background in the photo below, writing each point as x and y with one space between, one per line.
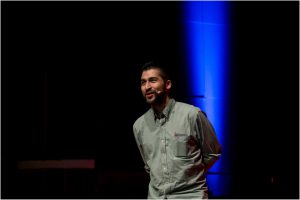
70 90
266 99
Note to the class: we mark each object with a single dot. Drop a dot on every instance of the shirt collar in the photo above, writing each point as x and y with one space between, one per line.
166 111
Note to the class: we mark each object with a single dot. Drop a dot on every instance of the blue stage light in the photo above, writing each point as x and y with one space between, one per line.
207 52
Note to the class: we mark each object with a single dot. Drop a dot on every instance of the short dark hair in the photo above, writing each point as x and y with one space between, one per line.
155 65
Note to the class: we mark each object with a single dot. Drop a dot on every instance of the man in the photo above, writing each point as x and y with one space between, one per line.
177 142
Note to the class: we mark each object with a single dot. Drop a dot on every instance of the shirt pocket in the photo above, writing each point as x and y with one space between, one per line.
180 145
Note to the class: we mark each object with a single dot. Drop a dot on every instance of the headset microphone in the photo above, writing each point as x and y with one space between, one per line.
158 91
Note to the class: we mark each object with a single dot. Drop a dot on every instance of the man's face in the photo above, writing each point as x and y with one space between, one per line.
153 86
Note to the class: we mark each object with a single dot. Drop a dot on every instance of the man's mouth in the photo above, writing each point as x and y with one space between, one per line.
149 94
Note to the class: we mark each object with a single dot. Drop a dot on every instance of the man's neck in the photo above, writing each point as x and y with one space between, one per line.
159 107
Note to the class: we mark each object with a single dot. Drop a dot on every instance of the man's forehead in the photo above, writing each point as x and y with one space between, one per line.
150 73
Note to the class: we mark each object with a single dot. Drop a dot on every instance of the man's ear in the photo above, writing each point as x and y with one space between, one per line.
168 85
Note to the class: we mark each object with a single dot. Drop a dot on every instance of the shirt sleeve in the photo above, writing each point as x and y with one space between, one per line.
210 147
139 144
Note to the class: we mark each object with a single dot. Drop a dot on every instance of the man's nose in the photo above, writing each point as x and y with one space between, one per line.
148 85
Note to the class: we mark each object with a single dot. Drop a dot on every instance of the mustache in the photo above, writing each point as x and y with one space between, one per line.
152 91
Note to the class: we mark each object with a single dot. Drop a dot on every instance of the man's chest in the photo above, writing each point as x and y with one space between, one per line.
177 140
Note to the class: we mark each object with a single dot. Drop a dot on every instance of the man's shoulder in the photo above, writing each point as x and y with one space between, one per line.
185 107
139 122
185 110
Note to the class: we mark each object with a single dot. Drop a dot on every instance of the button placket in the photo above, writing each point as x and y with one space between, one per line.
164 142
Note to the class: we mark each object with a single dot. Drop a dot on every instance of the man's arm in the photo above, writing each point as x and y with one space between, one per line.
211 149
140 149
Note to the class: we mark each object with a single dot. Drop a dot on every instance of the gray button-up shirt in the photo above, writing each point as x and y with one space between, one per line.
177 148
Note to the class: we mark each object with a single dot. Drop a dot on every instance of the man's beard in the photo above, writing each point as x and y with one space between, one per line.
157 98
